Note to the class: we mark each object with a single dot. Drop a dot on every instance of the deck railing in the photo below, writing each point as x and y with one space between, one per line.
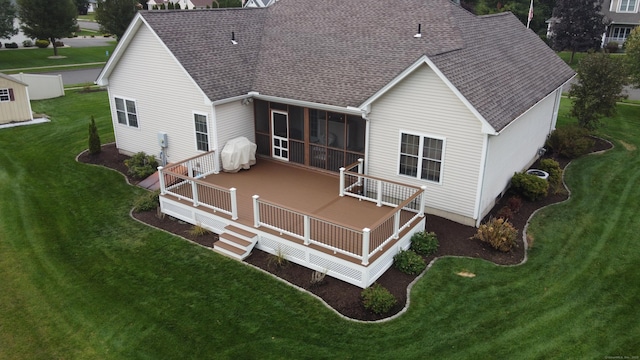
182 181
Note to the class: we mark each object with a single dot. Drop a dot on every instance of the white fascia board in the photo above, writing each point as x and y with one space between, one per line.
103 77
129 34
231 99
347 110
534 105
486 127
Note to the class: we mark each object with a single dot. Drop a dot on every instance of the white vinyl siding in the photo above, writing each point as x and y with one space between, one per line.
14 103
202 132
169 108
234 119
423 104
516 147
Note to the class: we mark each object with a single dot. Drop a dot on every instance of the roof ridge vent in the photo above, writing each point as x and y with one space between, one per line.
419 34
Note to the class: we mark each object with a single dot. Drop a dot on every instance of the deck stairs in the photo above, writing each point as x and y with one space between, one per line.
235 242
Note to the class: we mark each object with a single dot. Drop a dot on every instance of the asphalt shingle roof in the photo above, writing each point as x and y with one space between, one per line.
341 53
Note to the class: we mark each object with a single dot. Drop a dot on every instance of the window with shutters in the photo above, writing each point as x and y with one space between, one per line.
6 95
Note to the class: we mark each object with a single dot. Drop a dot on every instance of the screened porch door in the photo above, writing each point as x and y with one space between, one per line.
280 135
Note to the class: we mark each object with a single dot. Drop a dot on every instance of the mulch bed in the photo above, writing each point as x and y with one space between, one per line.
454 239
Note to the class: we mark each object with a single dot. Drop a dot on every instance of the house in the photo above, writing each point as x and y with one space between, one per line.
258 3
622 17
423 109
14 100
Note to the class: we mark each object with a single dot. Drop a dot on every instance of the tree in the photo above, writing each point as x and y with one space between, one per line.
7 16
632 46
520 8
47 19
114 16
94 138
82 6
601 80
578 26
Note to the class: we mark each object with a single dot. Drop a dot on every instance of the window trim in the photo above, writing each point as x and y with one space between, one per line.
126 112
9 95
627 10
196 132
420 155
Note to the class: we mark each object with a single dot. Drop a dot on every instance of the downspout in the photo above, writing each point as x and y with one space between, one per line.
481 180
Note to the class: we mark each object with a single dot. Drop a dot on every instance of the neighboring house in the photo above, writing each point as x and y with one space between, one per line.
258 3
622 16
429 96
14 100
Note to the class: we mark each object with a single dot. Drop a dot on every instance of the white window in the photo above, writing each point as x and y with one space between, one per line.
421 157
6 95
620 34
202 132
127 112
627 6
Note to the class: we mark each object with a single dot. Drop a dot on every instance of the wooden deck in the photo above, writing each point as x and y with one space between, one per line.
304 190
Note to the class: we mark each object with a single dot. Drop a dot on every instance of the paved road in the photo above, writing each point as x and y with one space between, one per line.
71 77
634 94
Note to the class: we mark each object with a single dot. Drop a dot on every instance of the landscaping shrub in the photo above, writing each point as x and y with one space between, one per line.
424 243
612 47
505 213
27 43
570 141
147 202
377 299
94 138
409 262
42 43
11 45
529 186
141 165
514 203
555 173
499 233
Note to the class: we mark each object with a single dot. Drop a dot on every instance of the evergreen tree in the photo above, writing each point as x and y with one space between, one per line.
47 19
601 80
578 26
94 138
7 15
114 16
632 46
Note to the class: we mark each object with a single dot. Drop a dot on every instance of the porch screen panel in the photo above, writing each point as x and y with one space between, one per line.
262 116
296 123
263 141
296 151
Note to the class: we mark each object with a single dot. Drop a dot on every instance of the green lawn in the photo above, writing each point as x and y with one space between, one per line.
80 279
32 58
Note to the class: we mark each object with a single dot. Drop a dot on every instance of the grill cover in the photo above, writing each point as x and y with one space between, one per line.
238 153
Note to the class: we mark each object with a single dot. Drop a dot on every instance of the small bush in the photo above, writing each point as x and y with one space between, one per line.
377 299
555 172
612 47
198 230
141 165
42 43
409 262
505 213
498 233
279 259
514 203
317 277
570 141
424 243
27 43
529 186
147 202
11 45
94 138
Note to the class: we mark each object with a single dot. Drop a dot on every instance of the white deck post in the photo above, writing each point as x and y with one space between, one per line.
379 203
360 171
256 211
194 190
396 224
161 179
342 181
307 229
234 204
366 235
190 169
423 200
